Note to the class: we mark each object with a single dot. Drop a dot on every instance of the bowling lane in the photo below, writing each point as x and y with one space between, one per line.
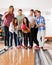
1 45
18 57
21 56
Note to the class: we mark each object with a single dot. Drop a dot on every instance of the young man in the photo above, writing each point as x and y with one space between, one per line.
7 17
41 28
33 25
35 12
36 29
20 17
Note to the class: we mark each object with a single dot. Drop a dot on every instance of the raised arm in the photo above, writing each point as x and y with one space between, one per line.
5 14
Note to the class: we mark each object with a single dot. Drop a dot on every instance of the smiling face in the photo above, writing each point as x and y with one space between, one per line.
20 11
31 12
11 9
35 13
16 21
38 14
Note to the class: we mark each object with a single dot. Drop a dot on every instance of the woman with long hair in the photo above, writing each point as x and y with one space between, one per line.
26 31
7 17
13 31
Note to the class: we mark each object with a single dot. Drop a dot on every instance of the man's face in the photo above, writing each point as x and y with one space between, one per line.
35 13
38 14
31 12
20 12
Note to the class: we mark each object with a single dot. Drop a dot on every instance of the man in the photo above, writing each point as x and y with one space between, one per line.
35 12
20 17
33 25
41 29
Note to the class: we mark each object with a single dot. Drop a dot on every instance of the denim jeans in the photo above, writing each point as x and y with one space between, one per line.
16 40
20 36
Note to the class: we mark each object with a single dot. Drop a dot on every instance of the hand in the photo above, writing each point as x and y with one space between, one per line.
6 13
16 27
3 17
41 25
28 29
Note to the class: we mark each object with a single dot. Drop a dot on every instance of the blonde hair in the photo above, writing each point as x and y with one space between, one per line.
10 8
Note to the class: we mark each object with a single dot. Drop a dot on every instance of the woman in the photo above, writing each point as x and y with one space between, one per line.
13 31
7 17
26 31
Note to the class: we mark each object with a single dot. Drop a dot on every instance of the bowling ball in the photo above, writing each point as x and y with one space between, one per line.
23 27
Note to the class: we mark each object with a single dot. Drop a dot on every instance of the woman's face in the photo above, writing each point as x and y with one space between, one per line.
25 20
15 20
11 10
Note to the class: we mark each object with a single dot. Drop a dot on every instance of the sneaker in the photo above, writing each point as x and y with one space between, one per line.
6 48
37 47
9 46
43 49
21 45
29 46
17 47
25 47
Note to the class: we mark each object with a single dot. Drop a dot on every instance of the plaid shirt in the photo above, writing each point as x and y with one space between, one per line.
40 20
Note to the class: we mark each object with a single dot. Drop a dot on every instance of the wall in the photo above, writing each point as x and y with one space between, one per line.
44 5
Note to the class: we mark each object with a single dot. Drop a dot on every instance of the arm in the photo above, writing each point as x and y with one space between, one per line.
3 17
16 27
28 28
43 23
39 25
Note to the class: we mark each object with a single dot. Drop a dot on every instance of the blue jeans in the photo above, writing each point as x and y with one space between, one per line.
20 36
16 40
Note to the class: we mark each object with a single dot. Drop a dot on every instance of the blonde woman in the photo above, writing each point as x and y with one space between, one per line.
7 17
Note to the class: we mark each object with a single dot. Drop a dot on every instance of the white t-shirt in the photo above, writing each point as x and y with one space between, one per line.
11 28
31 20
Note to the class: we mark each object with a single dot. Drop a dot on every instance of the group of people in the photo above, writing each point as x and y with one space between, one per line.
21 28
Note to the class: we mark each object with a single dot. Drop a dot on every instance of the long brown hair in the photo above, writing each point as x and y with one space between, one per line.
15 23
10 8
27 21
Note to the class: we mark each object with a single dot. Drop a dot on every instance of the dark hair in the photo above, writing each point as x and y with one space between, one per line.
39 11
32 10
20 10
10 6
13 20
35 12
27 21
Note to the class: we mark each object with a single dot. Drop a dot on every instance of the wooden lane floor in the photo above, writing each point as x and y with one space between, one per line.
1 44
18 57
